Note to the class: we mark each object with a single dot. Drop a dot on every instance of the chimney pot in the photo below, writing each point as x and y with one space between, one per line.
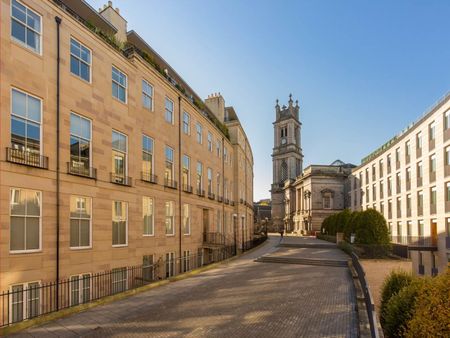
110 3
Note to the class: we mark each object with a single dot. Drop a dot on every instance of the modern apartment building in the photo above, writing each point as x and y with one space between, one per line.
109 159
408 181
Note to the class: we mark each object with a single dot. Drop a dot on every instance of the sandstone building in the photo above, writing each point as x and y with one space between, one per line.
109 159
408 181
287 156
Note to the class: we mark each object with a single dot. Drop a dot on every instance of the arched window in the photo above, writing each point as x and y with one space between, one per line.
283 171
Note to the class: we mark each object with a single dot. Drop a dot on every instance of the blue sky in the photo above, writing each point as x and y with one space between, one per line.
362 70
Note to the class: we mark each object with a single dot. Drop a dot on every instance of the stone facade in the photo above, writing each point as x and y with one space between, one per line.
408 181
287 156
145 153
320 191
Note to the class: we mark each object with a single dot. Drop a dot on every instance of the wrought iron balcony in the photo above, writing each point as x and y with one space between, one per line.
120 179
219 199
241 200
232 203
187 188
170 183
74 168
227 201
26 158
201 192
147 176
211 195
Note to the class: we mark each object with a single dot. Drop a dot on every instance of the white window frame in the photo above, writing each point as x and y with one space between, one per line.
172 217
188 217
125 87
120 151
90 224
172 121
119 281
210 137
81 289
147 95
171 161
126 225
188 168
40 223
151 233
79 136
151 153
186 125
90 64
199 132
24 44
25 300
41 143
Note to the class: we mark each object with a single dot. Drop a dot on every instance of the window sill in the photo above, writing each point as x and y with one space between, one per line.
144 235
170 235
119 101
24 46
81 79
119 245
19 252
78 248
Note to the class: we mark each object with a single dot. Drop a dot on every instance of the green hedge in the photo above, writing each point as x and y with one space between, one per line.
416 306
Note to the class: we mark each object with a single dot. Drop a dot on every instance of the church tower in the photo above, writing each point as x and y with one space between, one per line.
287 157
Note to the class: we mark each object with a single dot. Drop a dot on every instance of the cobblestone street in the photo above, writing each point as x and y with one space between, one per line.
242 298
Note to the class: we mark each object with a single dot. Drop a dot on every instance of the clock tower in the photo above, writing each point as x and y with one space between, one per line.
287 157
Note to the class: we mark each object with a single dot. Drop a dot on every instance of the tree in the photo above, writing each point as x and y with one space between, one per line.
371 228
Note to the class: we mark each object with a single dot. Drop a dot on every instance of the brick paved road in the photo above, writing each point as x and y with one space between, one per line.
240 299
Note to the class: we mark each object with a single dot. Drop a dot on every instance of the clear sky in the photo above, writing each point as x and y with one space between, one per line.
362 70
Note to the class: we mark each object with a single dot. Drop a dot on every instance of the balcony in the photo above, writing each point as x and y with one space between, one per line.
417 243
120 179
27 158
74 168
211 195
232 203
241 200
147 176
168 183
187 188
220 199
227 201
200 192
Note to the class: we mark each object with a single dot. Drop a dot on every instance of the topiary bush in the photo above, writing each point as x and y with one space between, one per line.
393 283
431 317
371 228
400 308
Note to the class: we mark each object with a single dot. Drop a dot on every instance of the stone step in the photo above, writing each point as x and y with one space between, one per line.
311 246
302 261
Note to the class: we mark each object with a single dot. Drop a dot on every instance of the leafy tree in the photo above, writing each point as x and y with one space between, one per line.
371 228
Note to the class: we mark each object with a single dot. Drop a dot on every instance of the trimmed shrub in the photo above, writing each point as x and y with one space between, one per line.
431 317
371 228
393 283
400 308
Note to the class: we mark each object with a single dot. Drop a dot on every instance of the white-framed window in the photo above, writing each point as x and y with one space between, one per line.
186 123
80 144
210 186
119 223
210 147
80 289
186 260
420 199
25 301
119 85
80 60
186 219
148 268
80 222
119 280
447 120
119 155
169 111
432 131
419 140
408 148
168 170
26 26
419 170
147 95
169 218
225 154
170 264
218 148
433 196
147 155
148 216
433 163
26 119
199 130
420 228
25 220
199 175
186 171
219 221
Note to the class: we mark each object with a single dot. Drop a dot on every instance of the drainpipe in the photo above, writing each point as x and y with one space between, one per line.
58 24
179 179
223 185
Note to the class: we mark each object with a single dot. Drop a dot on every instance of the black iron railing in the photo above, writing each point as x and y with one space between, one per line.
120 179
201 192
227 201
80 170
147 176
219 199
211 195
26 158
28 301
416 242
170 183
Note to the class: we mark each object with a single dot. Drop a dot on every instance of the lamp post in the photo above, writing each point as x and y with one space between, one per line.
307 196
